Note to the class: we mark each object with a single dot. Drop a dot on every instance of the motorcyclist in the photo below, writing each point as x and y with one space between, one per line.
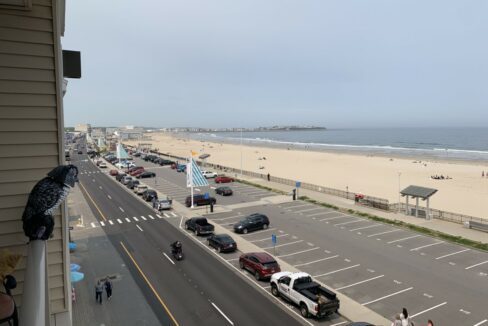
176 247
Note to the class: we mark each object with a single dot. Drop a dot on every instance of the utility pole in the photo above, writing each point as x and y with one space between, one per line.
399 189
241 152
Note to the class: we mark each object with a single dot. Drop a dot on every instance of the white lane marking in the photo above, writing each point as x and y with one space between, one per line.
151 217
174 215
100 187
93 225
282 245
366 227
454 253
387 296
429 245
333 218
342 322
360 282
135 219
143 218
118 220
102 223
373 235
351 222
316 261
298 252
127 219
93 180
166 215
222 313
159 216
172 262
310 244
397 282
428 295
338 270
481 322
109 197
269 238
139 228
121 209
403 239
477 264
111 223
465 312
232 259
226 218
429 309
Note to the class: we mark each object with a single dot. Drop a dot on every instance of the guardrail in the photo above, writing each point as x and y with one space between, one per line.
365 200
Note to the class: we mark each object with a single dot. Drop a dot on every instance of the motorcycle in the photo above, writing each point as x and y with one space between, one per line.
177 253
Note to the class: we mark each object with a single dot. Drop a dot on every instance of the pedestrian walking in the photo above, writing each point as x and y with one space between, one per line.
482 174
108 288
397 321
98 291
154 203
269 177
404 317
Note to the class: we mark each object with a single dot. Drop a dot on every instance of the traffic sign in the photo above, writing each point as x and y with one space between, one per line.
273 239
206 195
298 184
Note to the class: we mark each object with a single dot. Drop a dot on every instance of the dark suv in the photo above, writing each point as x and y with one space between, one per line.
200 200
252 222
149 194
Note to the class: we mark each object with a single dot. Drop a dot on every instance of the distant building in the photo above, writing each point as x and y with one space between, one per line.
129 134
83 127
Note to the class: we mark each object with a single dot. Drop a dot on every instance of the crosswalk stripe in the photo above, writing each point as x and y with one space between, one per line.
111 223
174 215
159 216
143 218
127 219
152 218
135 219
165 215
102 223
93 225
118 220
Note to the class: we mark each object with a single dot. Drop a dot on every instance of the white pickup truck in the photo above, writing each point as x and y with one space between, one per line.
299 288
209 174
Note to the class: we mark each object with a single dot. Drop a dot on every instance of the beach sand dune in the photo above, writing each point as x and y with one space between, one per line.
466 193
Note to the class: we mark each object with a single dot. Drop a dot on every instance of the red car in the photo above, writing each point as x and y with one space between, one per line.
113 172
223 179
261 264
136 172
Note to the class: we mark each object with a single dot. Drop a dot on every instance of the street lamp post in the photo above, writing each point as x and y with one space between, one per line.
241 152
399 189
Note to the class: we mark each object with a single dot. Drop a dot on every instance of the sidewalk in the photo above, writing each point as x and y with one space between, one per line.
437 225
98 258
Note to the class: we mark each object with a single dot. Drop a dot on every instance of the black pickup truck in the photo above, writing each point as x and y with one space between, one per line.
199 225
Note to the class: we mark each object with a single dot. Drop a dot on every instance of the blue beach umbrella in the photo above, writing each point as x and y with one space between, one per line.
76 277
74 267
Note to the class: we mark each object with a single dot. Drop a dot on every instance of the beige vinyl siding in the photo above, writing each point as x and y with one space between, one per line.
30 142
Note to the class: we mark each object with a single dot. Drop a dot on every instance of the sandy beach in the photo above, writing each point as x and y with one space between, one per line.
465 193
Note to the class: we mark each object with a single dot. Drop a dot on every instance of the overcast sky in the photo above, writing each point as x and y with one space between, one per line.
244 63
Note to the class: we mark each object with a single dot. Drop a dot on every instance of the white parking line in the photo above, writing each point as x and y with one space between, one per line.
360 282
121 209
166 215
143 218
174 215
333 218
282 245
298 252
341 323
321 213
151 217
338 270
109 197
454 253
316 261
387 296
118 220
139 228
278 236
167 257
136 219
159 216
222 313
426 310
373 235
296 206
308 210
93 225
366 227
102 223
477 265
262 231
100 187
481 322
226 218
429 245
351 222
403 239
127 219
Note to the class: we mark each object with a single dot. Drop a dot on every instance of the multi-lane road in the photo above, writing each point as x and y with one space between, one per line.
200 290
379 266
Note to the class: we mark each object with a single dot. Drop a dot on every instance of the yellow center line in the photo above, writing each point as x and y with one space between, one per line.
90 197
150 285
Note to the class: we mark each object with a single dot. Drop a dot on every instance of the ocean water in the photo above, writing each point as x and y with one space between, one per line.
445 143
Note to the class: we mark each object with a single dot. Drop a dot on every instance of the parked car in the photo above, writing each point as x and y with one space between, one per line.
146 174
102 165
137 154
113 173
252 222
149 194
261 264
181 168
132 184
200 200
222 242
126 179
299 288
209 174
223 179
199 225
140 189
224 191
137 171
80 152
120 176
164 204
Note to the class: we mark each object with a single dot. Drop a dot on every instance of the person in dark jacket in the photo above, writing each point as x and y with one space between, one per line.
108 288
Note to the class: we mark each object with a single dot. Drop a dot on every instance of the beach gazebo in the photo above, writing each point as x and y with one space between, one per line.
418 192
